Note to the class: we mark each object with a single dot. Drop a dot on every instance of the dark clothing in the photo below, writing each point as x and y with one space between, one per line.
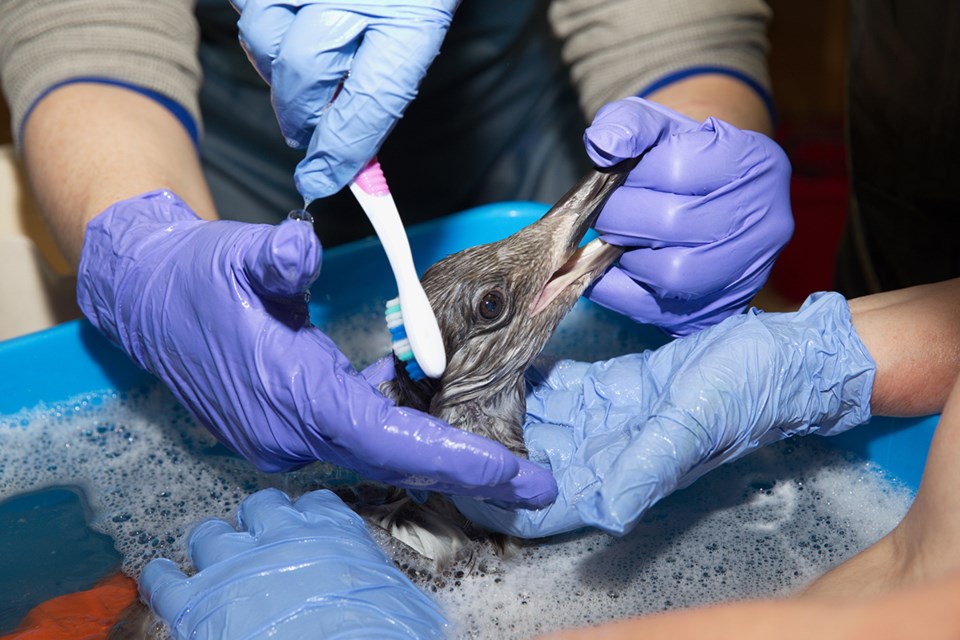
904 139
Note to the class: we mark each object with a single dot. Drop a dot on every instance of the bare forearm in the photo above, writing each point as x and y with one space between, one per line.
87 146
925 545
892 616
914 336
720 96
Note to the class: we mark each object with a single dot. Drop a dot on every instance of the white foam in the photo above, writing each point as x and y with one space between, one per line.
764 525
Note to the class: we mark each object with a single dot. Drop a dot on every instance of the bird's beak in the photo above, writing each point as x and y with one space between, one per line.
566 224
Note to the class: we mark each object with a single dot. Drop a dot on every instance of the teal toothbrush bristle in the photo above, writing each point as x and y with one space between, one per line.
398 336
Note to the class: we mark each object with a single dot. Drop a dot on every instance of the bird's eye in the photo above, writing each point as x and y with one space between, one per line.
491 305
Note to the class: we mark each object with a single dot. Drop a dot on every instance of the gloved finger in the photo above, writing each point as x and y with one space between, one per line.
315 57
714 156
530 486
548 376
386 73
285 260
494 517
352 424
266 511
550 444
556 405
635 477
626 128
680 273
559 446
262 26
324 505
559 517
165 588
214 540
530 493
657 219
399 440
618 291
533 487
380 371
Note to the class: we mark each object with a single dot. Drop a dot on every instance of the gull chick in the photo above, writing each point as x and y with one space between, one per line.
497 305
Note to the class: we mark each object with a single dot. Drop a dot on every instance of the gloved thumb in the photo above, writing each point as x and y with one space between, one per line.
284 261
627 128
164 588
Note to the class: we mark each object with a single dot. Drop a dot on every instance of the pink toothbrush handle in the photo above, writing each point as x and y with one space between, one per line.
371 179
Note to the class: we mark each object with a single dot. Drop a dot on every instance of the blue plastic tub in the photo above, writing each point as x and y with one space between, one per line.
73 359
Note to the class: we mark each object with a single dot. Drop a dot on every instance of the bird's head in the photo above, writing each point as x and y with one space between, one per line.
497 306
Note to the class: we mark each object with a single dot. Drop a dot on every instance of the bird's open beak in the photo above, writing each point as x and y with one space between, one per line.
571 266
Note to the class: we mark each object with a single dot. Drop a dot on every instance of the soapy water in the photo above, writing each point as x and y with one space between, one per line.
762 526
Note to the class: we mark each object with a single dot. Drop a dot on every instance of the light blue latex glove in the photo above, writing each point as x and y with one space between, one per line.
218 312
620 435
306 48
303 570
703 216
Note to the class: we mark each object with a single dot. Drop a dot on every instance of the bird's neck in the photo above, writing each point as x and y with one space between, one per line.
491 408
497 414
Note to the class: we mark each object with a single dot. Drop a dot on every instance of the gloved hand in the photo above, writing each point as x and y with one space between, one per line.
620 435
703 215
379 49
304 570
218 311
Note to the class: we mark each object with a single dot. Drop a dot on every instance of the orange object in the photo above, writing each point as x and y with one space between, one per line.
85 615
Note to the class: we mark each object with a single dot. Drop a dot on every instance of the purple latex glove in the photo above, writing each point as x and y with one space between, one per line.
218 311
703 216
370 55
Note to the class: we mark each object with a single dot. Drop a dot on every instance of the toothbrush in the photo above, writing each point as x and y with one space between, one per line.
410 318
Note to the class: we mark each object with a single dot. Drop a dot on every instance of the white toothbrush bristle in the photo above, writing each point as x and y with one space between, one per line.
402 349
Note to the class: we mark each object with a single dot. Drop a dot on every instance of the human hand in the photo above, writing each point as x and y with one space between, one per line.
218 311
307 569
620 435
370 56
703 216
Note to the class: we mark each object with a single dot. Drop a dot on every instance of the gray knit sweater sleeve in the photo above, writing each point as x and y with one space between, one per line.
617 48
152 45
